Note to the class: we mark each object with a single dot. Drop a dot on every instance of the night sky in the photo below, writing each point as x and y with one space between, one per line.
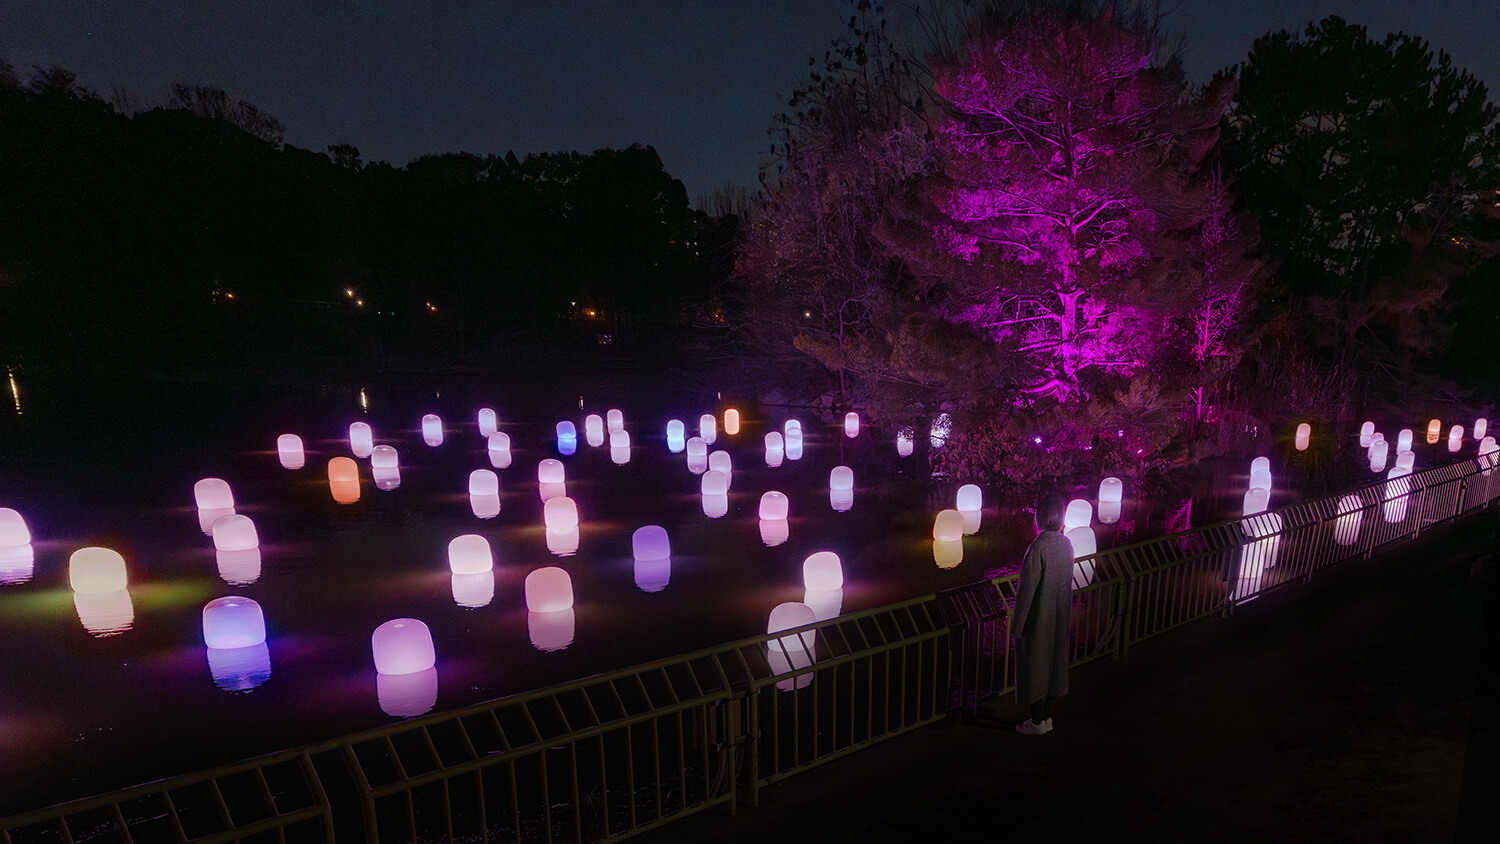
697 80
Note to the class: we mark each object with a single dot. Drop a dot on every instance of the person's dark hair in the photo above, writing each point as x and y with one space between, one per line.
1049 512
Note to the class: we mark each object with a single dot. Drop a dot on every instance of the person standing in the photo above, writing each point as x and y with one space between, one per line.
1040 622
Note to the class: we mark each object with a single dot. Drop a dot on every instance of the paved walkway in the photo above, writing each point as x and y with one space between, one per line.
1361 707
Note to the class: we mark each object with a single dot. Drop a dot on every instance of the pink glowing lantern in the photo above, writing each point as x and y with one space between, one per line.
593 430
1434 431
789 616
402 646
904 444
1080 513
1260 473
731 422
343 480
289 451
1366 434
650 543
233 622
1304 436
550 471
488 423
697 455
714 483
13 530
1455 438
432 429
775 449
615 420
676 436
822 571
549 589
483 482
213 494
470 554
235 533
361 439
1256 501
851 424
1403 440
948 526
774 506
841 478
498 446
1481 426
708 428
970 497
96 570
560 514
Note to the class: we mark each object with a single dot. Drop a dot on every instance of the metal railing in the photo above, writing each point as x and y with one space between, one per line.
624 752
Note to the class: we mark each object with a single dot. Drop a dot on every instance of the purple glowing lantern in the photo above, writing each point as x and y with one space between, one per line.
549 589
233 622
851 424
432 429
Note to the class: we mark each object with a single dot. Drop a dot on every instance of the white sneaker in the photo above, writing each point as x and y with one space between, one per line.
1032 728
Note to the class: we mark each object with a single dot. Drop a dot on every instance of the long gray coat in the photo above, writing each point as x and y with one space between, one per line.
1044 608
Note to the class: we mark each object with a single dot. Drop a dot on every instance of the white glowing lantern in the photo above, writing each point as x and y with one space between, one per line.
1455 438
970 497
550 471
792 425
13 530
719 461
470 554
402 646
774 506
1379 452
289 451
488 423
676 436
775 449
1111 490
1366 434
708 428
697 455
560 513
384 457
731 422
213 494
842 477
619 439
1260 473
235 533
1080 512
432 429
343 480
1256 501
851 424
498 446
1481 425
96 570
361 439
948 526
794 442
822 571
483 482
714 483
1084 545
1346 526
1304 436
1403 440
615 420
789 616
650 543
593 430
904 444
549 589
1487 449
1434 431
233 622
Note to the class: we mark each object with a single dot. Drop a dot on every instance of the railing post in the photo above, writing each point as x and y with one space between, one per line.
734 743
752 740
1124 602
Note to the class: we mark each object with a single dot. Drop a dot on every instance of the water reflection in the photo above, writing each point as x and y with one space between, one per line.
563 541
825 603
238 568
653 575
551 631
407 695
842 500
774 532
715 506
17 563
1109 512
474 590
971 521
207 517
485 506
239 669
105 613
947 553
619 455
782 662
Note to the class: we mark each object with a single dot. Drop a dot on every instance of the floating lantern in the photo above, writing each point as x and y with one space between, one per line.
498 446
343 480
842 477
1455 438
560 513
708 428
947 554
473 590
593 430
650 543
361 439
238 568
774 532
1403 440
1397 489
619 439
1379 451
904 443
1487 456
789 616
96 570
697 455
653 575
1366 434
719 461
233 622
1256 501
615 420
402 646
550 471
775 449
470 554
851 424
1304 436
1346 526
781 662
206 518
551 631
714 483
1434 431
483 482
970 497
842 500
488 424
1079 513
432 429
1084 545
715 506
13 530
239 669
792 425
407 695
289 450
794 444
937 433
105 613
676 432
567 437
1481 426
774 505
213 494
1260 473
1111 495
822 571
235 533
549 589
948 526
384 457
731 422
